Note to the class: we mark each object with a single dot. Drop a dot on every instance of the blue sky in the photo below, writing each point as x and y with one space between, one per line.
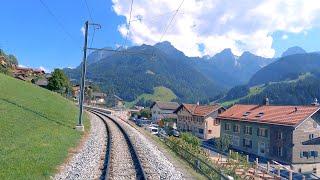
36 38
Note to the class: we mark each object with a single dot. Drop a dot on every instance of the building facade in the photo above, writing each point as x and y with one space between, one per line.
281 133
162 110
200 120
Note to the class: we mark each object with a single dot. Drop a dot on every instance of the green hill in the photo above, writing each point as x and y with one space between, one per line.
133 74
160 94
36 130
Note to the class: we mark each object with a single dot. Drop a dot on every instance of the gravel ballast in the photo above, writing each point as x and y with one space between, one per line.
86 162
155 163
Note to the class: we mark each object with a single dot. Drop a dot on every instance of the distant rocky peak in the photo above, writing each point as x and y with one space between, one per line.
293 50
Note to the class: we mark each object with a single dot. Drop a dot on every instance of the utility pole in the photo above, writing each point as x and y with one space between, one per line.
80 126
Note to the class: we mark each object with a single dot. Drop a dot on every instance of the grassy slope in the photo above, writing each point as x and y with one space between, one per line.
259 88
160 93
36 130
253 91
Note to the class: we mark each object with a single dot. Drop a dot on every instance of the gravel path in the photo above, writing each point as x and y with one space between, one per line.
156 165
85 164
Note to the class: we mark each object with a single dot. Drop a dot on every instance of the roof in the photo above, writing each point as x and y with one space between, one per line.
98 94
167 116
279 115
200 110
41 82
117 97
166 105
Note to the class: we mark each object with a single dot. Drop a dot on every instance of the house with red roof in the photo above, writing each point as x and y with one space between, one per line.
200 120
286 134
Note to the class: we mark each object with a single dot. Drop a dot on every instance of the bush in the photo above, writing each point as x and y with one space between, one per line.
190 139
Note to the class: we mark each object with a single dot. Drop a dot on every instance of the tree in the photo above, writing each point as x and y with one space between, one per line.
223 144
59 82
146 112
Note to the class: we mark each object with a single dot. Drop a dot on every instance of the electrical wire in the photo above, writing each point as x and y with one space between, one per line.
88 9
57 20
172 18
128 27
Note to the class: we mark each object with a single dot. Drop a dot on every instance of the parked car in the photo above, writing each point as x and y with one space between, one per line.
174 133
162 132
153 130
132 119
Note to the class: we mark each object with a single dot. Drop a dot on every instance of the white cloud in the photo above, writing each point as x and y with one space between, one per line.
284 37
44 69
240 25
82 30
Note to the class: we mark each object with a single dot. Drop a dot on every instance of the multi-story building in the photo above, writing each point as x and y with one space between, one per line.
200 120
285 134
162 110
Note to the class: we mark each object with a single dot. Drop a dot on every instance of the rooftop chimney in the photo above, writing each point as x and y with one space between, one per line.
315 102
266 101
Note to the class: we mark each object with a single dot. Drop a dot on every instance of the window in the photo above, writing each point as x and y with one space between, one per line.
280 151
263 132
216 122
248 130
247 143
308 154
262 148
311 136
280 135
235 140
209 131
236 128
200 131
227 127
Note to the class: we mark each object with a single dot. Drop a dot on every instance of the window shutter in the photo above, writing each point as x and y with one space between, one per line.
266 132
315 153
244 129
258 131
243 142
250 130
301 154
250 143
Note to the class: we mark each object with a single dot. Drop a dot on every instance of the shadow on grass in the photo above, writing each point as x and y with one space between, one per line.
36 113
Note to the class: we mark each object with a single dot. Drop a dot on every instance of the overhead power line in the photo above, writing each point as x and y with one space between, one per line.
128 27
170 22
60 24
89 11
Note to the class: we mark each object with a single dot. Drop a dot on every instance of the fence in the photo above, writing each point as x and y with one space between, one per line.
203 167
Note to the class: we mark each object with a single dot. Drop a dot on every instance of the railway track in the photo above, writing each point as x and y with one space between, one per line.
121 160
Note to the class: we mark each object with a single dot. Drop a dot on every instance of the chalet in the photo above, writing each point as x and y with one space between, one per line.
98 98
118 101
19 72
200 120
42 82
162 110
286 134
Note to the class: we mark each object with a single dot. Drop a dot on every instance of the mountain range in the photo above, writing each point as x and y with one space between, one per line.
139 70
293 79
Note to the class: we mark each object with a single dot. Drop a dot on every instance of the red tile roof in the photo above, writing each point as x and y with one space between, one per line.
280 115
201 110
